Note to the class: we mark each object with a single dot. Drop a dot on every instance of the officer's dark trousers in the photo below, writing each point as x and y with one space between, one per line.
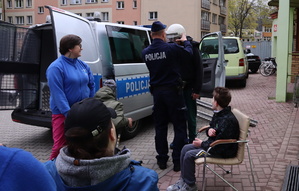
191 113
169 106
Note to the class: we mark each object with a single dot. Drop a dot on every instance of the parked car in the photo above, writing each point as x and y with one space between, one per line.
253 60
237 66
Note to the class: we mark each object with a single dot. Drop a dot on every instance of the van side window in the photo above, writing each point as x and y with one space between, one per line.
126 44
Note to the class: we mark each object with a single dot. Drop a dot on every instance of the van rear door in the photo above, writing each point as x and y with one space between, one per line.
213 63
64 23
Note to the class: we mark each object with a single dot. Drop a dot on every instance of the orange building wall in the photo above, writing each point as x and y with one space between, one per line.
267 34
41 17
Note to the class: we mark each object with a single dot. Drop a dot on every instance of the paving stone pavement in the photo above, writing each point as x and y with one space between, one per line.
274 142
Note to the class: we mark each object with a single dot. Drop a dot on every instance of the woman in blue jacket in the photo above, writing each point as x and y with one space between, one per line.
70 80
89 162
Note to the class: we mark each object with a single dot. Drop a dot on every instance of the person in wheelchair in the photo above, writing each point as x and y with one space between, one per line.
223 125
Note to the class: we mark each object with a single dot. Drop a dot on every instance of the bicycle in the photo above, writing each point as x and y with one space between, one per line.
268 66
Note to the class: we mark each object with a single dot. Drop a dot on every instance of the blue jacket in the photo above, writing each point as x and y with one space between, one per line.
19 171
163 61
134 177
70 80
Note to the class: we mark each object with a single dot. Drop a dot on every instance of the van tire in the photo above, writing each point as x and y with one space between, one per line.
243 83
130 132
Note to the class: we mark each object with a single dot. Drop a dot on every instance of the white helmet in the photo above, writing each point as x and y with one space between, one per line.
175 31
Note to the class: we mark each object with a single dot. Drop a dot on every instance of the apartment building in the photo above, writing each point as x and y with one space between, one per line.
199 17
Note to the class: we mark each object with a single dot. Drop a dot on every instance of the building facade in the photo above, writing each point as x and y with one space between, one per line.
199 17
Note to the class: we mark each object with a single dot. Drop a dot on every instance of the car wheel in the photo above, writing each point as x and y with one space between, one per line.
243 83
130 132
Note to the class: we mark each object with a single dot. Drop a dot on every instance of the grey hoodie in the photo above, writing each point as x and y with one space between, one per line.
90 172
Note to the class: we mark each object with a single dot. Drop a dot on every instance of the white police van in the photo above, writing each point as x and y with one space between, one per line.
111 50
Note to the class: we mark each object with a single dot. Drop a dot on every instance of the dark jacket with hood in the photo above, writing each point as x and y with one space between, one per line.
227 127
192 68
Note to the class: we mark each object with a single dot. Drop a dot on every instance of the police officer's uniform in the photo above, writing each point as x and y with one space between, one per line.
163 61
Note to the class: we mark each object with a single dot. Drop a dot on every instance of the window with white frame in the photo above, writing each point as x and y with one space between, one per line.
134 4
63 2
28 3
29 19
120 4
80 14
89 14
153 15
18 3
75 2
9 4
91 1
105 16
134 22
268 29
10 20
0 16
40 10
19 20
121 22
105 1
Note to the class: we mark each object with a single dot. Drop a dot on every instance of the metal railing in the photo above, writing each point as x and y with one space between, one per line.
205 4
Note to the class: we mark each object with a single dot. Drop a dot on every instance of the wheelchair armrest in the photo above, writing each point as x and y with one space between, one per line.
223 141
203 128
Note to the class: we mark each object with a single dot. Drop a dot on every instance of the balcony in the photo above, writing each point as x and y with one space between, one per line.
222 10
223 28
205 25
205 4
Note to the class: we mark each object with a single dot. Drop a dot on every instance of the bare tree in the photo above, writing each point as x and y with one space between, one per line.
239 10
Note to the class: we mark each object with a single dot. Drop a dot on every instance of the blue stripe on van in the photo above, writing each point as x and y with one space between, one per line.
128 87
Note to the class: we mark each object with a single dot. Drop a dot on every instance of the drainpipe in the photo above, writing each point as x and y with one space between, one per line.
3 9
297 35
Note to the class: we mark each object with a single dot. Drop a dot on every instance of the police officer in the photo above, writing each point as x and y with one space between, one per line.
192 76
163 61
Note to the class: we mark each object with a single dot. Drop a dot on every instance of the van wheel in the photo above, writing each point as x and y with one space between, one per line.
243 83
130 132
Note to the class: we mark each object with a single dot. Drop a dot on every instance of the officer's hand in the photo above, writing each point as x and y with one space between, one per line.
195 96
183 38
